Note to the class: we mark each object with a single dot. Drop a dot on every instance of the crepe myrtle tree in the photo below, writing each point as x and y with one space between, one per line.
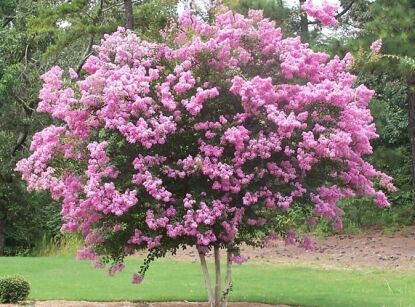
205 141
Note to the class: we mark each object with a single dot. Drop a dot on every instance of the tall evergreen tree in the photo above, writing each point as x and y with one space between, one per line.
36 35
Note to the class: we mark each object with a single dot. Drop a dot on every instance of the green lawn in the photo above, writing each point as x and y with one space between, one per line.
68 279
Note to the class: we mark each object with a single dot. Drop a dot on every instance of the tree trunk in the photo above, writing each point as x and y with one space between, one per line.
411 124
129 16
218 284
228 279
2 235
216 297
305 35
208 285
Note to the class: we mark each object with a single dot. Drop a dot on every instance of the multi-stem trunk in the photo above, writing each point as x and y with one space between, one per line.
216 297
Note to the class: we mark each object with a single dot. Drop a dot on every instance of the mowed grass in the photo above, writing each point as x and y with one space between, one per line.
68 279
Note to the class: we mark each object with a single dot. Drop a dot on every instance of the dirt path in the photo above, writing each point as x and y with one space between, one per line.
374 249
370 250
130 304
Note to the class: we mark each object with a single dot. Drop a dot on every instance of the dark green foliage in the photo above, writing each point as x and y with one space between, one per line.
389 108
276 10
35 218
397 32
13 289
391 155
153 16
74 26
35 35
388 76
360 216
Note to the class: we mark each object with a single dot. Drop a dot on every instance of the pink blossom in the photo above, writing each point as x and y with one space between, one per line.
73 74
86 254
289 238
239 259
376 46
115 268
307 243
311 222
137 279
117 228
98 264
324 11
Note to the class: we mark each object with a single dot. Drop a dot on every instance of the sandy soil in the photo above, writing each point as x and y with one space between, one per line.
374 249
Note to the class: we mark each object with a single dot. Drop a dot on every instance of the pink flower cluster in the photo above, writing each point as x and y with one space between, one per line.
239 259
202 141
323 11
376 46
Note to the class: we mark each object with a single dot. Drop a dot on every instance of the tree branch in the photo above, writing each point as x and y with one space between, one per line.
87 54
28 110
20 140
7 20
88 51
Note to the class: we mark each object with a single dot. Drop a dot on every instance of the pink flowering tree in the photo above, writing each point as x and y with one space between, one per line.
204 141
323 10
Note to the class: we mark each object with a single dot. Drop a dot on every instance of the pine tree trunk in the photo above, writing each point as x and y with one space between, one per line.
129 16
2 235
411 125
304 33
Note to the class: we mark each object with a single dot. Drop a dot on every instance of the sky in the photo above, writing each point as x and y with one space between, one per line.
292 3
289 3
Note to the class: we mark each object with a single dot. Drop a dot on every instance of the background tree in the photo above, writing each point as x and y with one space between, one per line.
398 38
284 16
355 30
391 78
291 17
19 84
36 35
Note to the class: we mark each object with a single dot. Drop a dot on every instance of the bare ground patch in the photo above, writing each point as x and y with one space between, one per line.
373 249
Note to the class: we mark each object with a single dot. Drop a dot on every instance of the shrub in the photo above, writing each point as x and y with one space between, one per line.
13 289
